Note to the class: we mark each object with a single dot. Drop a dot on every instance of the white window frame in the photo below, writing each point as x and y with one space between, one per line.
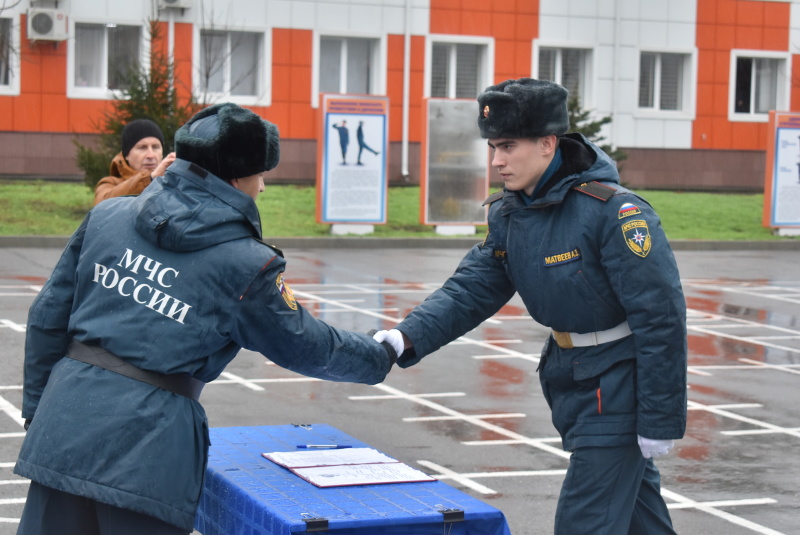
101 93
378 76
264 78
12 88
587 91
485 78
782 99
688 86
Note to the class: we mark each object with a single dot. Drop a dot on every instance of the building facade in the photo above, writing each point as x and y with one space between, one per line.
688 83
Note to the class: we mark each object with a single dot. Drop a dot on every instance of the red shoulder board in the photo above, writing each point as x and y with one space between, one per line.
596 190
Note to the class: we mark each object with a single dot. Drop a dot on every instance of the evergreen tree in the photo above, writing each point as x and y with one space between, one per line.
580 121
148 93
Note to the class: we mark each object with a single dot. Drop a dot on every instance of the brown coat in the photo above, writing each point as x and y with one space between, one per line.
124 180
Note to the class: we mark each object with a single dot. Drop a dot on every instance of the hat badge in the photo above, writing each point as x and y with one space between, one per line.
486 111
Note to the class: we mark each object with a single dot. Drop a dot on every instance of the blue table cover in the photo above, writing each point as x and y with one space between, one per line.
244 493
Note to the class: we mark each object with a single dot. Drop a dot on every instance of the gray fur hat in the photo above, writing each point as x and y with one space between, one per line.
229 141
524 108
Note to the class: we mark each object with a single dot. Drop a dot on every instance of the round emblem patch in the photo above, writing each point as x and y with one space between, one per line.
286 292
486 111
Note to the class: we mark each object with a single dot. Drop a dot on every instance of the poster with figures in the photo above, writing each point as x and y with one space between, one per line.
782 180
351 162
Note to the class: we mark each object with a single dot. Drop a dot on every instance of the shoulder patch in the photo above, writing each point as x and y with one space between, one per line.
637 237
494 197
596 190
286 292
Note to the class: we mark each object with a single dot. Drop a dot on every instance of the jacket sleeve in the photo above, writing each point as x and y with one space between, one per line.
271 322
643 273
47 332
476 291
113 186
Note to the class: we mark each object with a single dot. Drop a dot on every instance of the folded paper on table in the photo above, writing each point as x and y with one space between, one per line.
343 467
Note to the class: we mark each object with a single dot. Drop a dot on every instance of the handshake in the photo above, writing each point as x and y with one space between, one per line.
393 341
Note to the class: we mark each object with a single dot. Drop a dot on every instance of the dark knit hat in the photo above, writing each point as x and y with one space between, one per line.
524 108
137 130
229 141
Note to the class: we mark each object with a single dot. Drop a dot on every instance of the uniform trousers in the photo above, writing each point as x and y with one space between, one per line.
612 491
53 512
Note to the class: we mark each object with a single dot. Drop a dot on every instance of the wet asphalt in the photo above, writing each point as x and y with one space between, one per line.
472 414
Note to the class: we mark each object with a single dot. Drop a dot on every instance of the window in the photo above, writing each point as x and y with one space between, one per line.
230 63
568 67
347 65
457 70
662 80
105 55
5 52
757 84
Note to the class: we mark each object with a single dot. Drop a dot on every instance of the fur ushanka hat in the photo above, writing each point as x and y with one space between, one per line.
229 141
524 108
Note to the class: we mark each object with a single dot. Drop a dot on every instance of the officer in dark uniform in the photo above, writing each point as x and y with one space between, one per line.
153 296
590 261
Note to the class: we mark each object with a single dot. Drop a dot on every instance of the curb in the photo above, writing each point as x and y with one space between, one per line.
338 242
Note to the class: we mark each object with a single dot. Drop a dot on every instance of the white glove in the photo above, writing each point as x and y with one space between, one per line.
654 448
393 337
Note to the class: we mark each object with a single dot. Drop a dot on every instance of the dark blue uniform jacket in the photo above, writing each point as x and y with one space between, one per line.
174 281
582 260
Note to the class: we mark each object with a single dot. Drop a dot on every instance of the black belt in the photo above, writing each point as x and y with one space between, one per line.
180 383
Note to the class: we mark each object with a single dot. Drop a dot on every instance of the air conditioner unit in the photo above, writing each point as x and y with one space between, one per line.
183 4
47 25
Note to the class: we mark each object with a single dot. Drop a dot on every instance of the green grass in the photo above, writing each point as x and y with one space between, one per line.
56 209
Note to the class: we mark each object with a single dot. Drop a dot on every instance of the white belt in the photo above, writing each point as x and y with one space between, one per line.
569 340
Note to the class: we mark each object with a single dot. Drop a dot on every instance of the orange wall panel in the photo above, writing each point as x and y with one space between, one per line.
302 121
6 114
504 24
85 115
300 84
795 89
776 39
281 46
445 21
28 113
776 14
526 27
55 113
700 129
530 7
302 45
706 12
281 90
749 37
749 13
522 58
504 58
725 9
476 23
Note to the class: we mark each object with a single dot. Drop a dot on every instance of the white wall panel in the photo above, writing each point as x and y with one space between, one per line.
677 135
582 29
652 34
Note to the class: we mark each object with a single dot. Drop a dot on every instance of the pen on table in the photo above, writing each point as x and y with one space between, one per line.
324 446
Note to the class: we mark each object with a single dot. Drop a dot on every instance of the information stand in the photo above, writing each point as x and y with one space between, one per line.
782 170
246 493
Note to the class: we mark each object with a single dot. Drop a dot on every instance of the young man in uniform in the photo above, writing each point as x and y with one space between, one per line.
591 262
152 298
